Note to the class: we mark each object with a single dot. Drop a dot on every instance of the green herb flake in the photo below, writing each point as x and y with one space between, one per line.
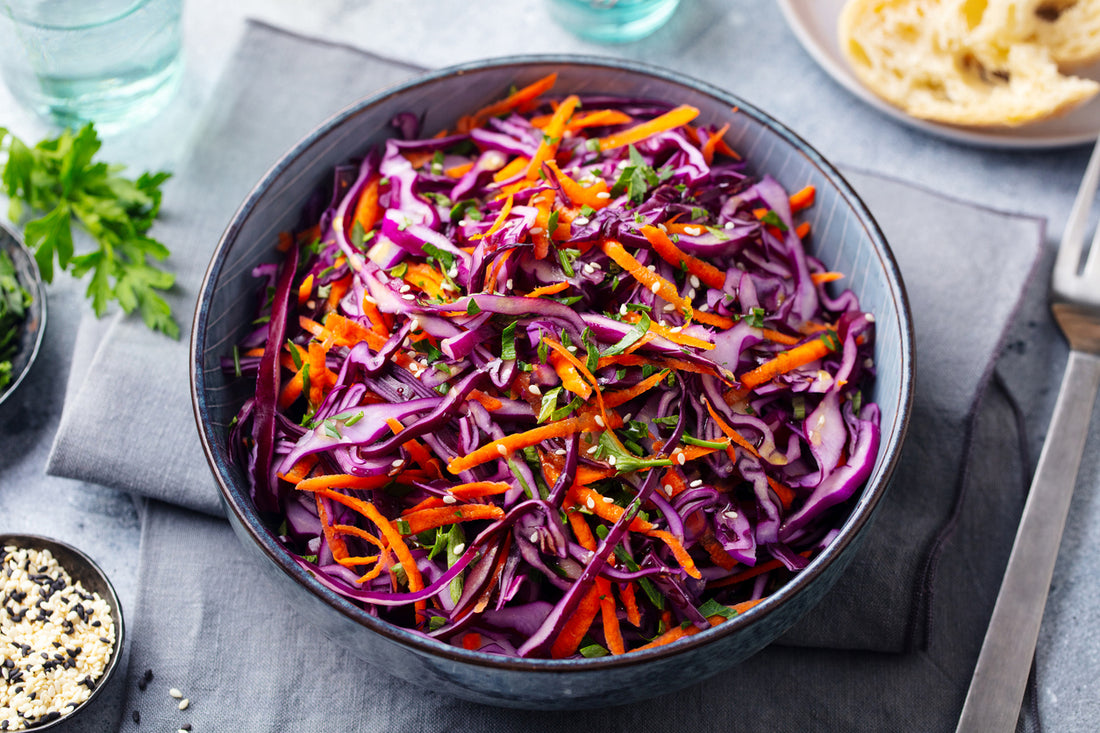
508 342
773 219
593 650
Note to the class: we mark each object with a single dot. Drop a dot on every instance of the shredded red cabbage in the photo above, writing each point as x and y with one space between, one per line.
574 406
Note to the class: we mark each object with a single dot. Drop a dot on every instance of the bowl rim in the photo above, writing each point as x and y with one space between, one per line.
12 243
862 512
41 542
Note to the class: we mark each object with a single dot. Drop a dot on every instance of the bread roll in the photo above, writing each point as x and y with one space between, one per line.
959 62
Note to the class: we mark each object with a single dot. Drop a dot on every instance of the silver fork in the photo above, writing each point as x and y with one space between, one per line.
1000 676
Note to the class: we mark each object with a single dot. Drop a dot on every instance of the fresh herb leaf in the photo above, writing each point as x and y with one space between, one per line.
773 218
58 182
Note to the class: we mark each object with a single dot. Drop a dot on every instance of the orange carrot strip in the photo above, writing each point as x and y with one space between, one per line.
390 534
785 493
367 210
656 284
803 198
548 289
711 145
802 230
551 137
472 490
305 289
300 469
732 434
420 455
672 254
611 512
612 632
750 573
669 120
337 292
718 554
825 277
433 517
580 367
491 278
471 641
514 167
675 480
571 634
501 218
335 541
580 527
512 101
784 362
582 120
679 632
331 481
570 377
424 276
518 441
489 402
457 171
713 319
618 397
594 196
630 604
779 337
678 337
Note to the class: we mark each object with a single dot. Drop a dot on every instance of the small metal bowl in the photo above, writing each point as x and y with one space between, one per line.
91 577
34 327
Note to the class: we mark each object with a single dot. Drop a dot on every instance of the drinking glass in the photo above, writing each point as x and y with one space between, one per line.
612 21
112 62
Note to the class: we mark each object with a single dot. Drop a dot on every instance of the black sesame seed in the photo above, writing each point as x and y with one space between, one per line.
96 623
51 716
136 716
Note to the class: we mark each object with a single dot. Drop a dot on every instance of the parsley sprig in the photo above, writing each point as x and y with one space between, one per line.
58 180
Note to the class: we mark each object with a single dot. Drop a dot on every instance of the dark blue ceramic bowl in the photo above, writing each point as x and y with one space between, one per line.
845 237
29 339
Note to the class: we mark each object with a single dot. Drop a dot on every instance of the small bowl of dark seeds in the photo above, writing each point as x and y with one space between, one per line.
61 632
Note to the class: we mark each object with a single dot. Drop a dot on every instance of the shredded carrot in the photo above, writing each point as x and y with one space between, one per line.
336 543
618 397
551 137
711 145
367 210
392 537
825 277
471 641
491 278
802 230
802 199
424 276
549 289
514 167
337 292
571 634
457 171
765 567
718 554
785 493
668 121
582 120
518 441
785 361
501 217
300 469
472 490
594 196
421 455
779 337
656 284
514 100
612 632
331 481
668 251
433 517
630 604
570 377
305 289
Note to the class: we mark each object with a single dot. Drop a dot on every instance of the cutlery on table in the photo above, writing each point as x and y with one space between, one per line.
1000 676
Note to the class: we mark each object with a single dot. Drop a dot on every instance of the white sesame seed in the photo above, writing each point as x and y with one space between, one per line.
694 281
651 268
696 483
457 549
668 489
591 503
588 268
572 348
396 464
448 499
502 450
608 500
870 317
599 421
534 389
508 284
656 287
405 288
669 307
175 693
603 195
627 416
676 329
622 310
581 221
729 225
536 230
414 324
561 452
681 458
612 460
534 537
691 294
184 703
731 514
593 449
408 296
662 227
693 231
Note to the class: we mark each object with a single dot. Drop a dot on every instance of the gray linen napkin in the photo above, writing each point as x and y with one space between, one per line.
201 628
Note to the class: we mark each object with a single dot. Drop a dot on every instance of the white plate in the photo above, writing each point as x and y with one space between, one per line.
814 24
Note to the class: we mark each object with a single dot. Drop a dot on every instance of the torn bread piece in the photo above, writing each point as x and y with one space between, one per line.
957 61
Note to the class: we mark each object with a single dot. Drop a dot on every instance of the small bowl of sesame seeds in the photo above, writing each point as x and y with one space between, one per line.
61 632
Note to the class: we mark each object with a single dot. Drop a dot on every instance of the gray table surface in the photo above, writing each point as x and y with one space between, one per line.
741 45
